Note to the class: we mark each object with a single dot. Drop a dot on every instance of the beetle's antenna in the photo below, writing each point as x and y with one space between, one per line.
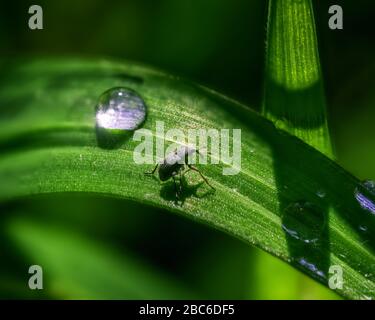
203 177
203 150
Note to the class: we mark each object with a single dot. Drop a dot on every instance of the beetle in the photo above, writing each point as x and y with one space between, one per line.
175 164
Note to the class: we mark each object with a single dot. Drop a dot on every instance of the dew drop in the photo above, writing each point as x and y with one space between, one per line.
120 109
342 256
312 267
365 195
321 193
304 221
281 124
363 228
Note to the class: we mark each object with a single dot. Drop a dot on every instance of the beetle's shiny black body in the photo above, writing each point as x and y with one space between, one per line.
174 164
167 171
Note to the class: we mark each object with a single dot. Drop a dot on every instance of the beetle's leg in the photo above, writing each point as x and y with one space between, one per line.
153 171
180 174
203 177
175 187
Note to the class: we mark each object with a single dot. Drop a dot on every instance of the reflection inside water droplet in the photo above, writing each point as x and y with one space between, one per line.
120 109
365 195
304 221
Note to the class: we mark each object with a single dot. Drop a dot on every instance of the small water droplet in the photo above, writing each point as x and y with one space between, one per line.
363 228
304 221
281 124
312 267
365 195
321 193
342 256
120 109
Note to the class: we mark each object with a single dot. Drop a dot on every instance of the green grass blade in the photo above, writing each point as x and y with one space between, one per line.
293 92
73 266
49 144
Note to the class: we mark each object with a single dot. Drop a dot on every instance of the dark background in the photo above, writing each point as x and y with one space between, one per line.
221 44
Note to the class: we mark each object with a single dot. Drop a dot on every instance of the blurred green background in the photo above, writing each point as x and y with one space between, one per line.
94 247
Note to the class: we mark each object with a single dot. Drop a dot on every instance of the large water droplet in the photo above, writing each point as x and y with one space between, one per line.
120 109
304 221
365 195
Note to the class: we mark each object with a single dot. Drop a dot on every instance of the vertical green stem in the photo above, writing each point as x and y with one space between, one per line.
293 92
